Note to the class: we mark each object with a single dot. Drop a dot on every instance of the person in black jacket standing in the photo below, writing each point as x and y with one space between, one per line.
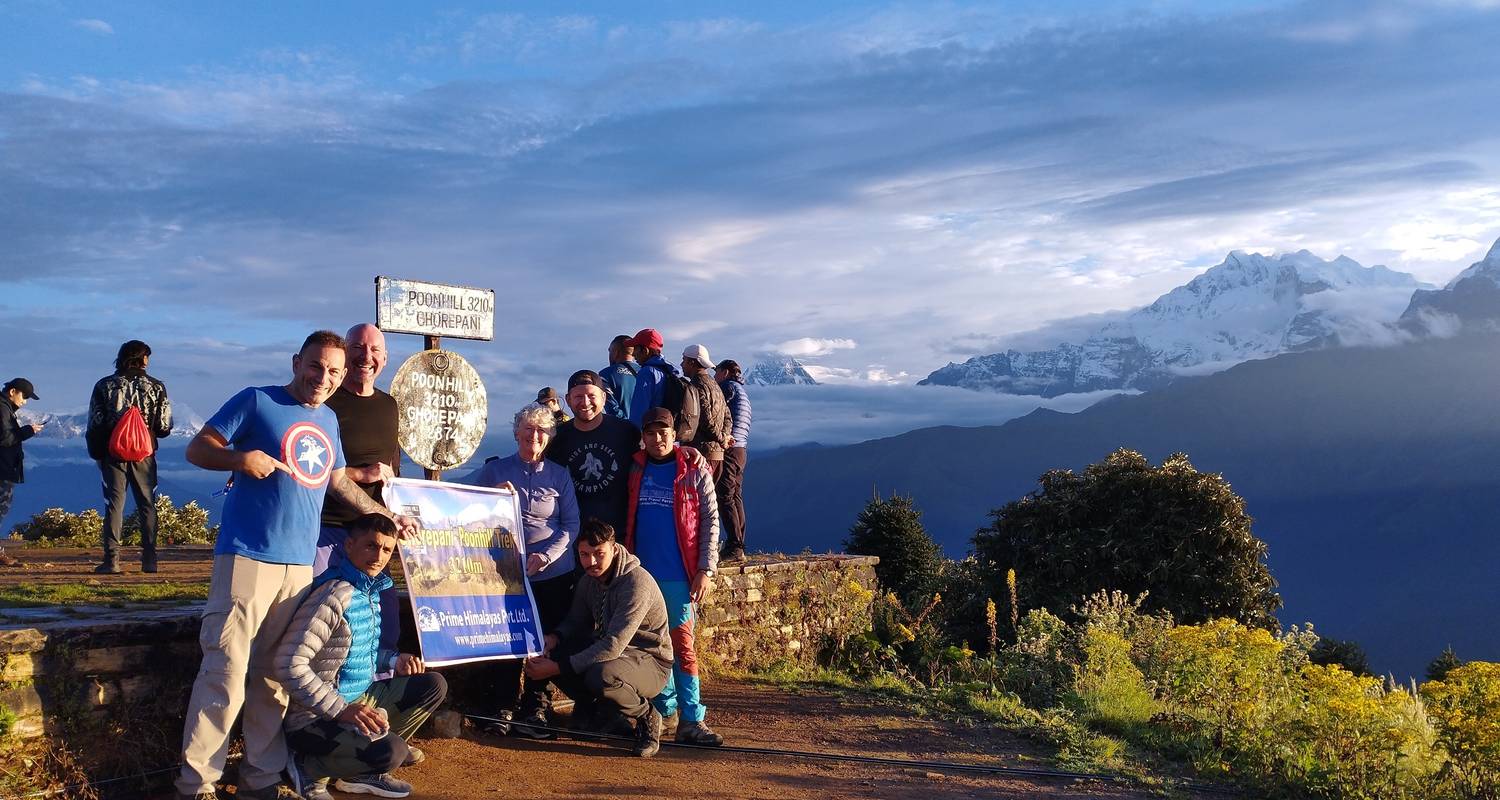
113 395
12 433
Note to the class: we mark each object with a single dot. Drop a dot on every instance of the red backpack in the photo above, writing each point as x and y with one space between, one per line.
130 441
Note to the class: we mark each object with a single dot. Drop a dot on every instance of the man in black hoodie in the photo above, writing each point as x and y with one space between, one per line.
12 433
114 395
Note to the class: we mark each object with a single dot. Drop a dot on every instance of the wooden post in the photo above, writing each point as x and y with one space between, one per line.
430 342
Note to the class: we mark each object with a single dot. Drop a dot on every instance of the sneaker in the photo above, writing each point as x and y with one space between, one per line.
296 775
263 793
271 792
528 726
317 790
669 724
206 794
500 725
698 733
380 784
414 756
648 734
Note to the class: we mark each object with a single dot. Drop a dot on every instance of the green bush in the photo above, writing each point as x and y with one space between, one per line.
1171 532
909 558
1110 691
55 527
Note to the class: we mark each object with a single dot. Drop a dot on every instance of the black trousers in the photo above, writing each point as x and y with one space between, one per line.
731 501
554 597
140 477
628 683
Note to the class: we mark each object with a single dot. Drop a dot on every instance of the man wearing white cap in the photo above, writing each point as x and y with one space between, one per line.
706 423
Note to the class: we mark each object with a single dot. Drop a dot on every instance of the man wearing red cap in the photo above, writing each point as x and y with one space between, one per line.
656 384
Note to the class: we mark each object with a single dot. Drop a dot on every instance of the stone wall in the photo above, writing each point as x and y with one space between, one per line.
95 693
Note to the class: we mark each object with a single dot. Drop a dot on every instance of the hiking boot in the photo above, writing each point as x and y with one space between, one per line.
669 724
380 784
109 567
317 790
148 562
206 794
528 726
698 733
414 756
729 556
500 725
648 734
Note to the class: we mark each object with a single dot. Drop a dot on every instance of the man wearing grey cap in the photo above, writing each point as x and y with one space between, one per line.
12 433
706 423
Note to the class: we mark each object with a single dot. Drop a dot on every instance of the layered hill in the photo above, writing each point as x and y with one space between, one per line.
1372 473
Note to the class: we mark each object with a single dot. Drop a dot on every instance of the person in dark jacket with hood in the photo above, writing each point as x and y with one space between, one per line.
129 387
17 392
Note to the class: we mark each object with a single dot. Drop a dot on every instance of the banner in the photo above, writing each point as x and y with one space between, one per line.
466 572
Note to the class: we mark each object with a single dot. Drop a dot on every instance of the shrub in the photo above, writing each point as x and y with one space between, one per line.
1342 652
1350 737
1446 662
55 527
1465 706
1177 534
1040 666
1110 691
909 559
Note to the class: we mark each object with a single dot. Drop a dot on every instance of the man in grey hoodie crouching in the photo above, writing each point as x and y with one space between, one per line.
613 652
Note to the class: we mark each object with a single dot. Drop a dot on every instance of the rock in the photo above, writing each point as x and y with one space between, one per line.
446 724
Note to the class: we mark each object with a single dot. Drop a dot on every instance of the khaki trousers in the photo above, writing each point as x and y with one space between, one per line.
250 605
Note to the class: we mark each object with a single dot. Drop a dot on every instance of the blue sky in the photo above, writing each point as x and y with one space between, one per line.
879 188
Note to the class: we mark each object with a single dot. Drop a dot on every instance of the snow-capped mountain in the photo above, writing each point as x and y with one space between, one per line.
73 424
1250 306
1471 300
779 371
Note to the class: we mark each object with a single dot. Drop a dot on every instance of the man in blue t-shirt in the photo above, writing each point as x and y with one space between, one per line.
282 447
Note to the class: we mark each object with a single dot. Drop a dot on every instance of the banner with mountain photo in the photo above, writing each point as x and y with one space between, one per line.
465 572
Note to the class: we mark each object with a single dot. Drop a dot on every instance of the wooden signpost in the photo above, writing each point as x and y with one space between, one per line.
442 401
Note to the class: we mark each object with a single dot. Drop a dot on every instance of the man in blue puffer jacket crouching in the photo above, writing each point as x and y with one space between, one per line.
342 724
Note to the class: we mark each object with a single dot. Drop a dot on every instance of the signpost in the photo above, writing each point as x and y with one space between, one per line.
441 398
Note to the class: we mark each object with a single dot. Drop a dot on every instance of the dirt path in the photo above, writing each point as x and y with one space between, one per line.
189 564
482 766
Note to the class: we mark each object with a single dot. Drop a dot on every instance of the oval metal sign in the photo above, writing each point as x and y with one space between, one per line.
443 407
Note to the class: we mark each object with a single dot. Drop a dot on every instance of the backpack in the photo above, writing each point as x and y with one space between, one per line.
673 388
130 441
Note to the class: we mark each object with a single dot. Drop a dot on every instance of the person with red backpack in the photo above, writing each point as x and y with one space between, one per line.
128 412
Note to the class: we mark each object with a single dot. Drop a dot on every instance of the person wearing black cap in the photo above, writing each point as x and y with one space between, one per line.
596 448
12 433
732 479
672 526
548 397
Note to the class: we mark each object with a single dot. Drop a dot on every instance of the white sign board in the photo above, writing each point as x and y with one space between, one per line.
434 309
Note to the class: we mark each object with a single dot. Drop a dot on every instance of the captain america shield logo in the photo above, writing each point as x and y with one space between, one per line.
308 452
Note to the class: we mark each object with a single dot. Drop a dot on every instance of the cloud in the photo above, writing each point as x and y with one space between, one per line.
98 26
807 347
928 181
